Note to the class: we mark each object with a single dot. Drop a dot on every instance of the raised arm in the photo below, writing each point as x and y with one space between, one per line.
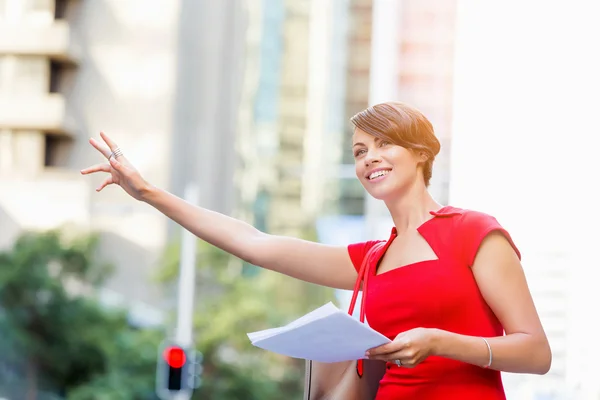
309 261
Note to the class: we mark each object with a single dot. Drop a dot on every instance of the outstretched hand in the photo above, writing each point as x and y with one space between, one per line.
121 171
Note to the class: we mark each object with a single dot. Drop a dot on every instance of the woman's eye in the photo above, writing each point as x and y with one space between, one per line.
384 143
359 152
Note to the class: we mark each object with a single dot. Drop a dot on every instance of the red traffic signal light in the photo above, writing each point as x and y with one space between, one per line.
174 356
177 370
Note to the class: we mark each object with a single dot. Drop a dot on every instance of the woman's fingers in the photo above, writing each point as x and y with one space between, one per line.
105 151
96 168
385 350
117 165
107 181
111 145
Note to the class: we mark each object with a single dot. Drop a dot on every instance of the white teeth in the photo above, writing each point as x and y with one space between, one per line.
378 174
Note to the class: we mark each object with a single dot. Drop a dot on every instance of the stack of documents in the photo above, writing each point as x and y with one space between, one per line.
326 334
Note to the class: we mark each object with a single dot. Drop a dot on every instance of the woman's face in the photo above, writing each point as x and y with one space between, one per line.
384 169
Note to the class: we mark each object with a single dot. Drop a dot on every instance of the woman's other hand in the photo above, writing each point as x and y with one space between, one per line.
121 171
410 347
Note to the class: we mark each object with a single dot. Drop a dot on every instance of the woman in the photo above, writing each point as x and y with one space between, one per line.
447 287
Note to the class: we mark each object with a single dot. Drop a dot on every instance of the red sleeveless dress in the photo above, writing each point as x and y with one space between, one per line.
439 294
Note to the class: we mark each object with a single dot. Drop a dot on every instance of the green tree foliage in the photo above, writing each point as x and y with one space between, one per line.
55 337
54 334
130 369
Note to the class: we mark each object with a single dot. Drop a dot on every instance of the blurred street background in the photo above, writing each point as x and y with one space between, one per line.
250 101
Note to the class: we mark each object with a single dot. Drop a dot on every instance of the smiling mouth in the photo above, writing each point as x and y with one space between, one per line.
378 174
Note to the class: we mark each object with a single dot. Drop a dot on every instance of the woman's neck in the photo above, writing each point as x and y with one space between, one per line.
412 209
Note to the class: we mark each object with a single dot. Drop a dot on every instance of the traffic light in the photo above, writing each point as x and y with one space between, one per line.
177 370
175 358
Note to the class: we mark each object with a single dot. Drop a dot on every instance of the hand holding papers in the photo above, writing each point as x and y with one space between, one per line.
326 334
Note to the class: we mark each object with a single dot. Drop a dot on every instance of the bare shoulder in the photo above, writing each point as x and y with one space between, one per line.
479 230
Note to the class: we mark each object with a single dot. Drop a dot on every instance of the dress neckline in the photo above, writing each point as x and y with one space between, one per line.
445 211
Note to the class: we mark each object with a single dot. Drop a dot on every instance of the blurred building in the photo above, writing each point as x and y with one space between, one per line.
146 73
292 113
308 71
36 48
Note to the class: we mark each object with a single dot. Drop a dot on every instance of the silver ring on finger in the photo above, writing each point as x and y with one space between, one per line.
116 153
398 363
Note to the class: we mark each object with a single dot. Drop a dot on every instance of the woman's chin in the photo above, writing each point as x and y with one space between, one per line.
387 194
382 195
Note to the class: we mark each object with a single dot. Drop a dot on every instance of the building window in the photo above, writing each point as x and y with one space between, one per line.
56 150
55 74
60 9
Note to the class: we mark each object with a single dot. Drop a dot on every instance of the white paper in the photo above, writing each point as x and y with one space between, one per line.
326 334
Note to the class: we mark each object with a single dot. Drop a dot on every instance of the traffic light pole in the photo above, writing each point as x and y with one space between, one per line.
187 283
187 277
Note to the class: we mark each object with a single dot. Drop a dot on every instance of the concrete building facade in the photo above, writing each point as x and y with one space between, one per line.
140 72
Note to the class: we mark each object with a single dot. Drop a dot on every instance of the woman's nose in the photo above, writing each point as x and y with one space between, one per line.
372 157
